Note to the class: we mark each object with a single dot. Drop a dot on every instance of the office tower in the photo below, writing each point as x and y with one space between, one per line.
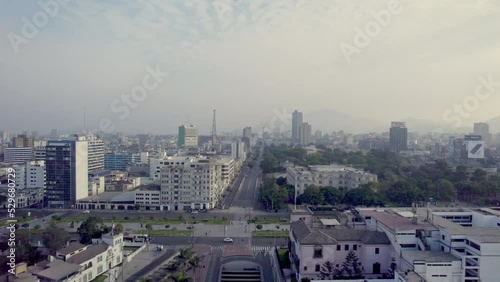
304 133
483 129
18 155
247 132
296 122
188 136
398 136
39 153
22 141
66 172
95 154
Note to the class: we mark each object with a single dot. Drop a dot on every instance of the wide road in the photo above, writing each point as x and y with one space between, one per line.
214 241
245 192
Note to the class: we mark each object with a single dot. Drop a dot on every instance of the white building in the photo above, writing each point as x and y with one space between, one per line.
97 185
441 244
327 175
188 136
18 155
78 263
39 153
95 154
238 151
190 183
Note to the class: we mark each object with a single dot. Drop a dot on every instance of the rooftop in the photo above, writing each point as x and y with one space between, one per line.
428 256
72 247
89 253
312 236
59 270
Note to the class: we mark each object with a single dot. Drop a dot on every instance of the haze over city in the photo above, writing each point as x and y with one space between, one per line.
248 60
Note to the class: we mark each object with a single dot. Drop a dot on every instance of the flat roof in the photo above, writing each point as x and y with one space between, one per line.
428 256
329 222
59 270
119 196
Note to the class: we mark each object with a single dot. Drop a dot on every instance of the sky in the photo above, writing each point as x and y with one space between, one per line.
177 61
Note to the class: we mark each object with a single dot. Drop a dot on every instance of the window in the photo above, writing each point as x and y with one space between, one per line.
355 247
339 247
442 237
377 251
305 268
317 268
318 253
346 247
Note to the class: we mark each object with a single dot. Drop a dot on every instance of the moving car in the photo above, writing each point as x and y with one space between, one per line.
228 240
86 211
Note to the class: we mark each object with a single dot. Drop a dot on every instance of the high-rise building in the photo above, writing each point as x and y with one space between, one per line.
238 150
483 129
304 133
247 132
188 136
39 153
18 155
296 122
95 154
398 136
22 141
66 172
183 186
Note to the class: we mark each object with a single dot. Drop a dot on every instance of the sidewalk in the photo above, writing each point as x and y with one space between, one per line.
142 260
202 251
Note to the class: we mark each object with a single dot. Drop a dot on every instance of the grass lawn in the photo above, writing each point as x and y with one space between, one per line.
100 278
283 258
165 232
270 233
158 221
268 221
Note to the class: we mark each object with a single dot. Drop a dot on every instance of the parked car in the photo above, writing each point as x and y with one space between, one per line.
228 240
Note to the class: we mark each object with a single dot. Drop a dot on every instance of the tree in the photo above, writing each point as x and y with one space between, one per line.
54 238
118 228
149 227
93 227
259 226
137 206
311 195
330 195
181 277
194 263
327 271
479 176
444 190
185 253
351 267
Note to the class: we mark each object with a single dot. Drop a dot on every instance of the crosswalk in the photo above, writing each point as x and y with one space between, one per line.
223 247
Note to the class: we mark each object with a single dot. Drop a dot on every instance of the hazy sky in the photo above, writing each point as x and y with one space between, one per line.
247 59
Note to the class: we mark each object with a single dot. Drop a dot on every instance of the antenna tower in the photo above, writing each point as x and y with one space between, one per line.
214 131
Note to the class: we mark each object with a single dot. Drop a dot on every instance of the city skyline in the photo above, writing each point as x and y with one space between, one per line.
196 56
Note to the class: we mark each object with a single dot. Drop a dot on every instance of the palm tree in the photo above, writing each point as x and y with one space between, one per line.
194 262
181 277
186 253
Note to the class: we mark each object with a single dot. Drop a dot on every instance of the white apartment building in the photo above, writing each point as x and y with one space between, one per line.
95 154
441 244
227 170
327 175
26 198
18 155
29 175
190 183
97 185
238 151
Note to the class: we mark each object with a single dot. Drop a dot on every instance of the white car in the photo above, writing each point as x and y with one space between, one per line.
228 240
86 211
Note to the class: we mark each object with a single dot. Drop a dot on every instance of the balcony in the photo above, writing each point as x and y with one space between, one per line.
471 262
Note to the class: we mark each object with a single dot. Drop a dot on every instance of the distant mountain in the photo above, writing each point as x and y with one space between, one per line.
424 126
328 120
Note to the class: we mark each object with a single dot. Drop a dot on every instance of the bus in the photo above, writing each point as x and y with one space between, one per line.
136 238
